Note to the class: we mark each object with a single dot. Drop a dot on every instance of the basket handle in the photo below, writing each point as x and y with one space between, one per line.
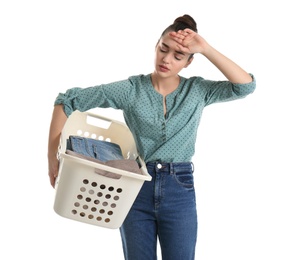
98 121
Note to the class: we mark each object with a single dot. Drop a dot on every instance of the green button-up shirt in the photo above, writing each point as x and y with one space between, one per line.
167 138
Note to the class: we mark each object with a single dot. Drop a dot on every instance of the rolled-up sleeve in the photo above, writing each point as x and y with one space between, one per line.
113 95
223 91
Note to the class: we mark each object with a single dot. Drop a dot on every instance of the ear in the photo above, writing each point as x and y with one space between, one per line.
189 62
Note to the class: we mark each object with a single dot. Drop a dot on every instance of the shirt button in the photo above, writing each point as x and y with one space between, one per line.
159 166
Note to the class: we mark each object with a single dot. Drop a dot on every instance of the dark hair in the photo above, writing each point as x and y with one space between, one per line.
181 23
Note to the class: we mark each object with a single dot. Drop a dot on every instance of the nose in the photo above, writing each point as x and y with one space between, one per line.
165 59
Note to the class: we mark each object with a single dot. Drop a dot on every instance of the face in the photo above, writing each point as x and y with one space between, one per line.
169 60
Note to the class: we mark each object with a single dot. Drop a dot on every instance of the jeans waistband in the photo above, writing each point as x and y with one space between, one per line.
171 167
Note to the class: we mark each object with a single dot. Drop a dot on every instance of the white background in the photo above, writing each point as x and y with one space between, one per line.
249 156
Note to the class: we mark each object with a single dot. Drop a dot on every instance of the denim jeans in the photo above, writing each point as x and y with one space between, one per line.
165 208
98 149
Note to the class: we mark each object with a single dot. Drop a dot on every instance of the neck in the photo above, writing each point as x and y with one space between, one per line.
165 86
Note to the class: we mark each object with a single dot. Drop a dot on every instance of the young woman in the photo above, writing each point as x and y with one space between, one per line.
163 111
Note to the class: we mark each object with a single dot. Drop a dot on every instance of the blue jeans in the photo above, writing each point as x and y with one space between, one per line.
98 149
165 208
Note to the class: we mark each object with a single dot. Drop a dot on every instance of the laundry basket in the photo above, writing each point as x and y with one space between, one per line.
86 196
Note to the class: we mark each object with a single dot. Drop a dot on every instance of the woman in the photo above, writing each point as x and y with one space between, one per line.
162 110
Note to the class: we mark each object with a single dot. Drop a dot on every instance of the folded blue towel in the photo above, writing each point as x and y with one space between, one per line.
98 149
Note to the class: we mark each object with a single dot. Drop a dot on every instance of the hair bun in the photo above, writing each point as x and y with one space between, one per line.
185 21
181 23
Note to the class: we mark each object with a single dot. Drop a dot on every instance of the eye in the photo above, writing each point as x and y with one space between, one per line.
162 50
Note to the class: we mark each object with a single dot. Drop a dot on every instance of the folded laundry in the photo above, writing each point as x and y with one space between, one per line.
125 164
98 149
102 152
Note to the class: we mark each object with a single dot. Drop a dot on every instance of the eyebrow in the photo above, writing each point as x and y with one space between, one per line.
179 52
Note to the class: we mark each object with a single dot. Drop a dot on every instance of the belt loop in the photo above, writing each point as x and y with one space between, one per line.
171 168
192 164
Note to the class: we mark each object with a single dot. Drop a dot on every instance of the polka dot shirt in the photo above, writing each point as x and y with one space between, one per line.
159 137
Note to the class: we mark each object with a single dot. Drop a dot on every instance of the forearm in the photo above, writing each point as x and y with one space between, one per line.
233 72
190 42
57 123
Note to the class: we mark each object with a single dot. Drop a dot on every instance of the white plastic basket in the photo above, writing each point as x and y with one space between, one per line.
86 196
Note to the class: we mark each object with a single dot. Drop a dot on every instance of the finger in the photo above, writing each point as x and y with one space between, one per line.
187 30
52 181
182 33
52 176
179 39
178 35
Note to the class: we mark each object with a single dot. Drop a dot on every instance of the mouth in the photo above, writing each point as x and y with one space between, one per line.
163 68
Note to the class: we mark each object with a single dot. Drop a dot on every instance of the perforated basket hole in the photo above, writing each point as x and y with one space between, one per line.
79 132
96 201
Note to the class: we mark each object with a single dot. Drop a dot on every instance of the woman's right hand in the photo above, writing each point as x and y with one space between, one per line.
53 169
57 123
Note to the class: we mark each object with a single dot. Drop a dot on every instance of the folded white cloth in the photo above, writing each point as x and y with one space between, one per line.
122 164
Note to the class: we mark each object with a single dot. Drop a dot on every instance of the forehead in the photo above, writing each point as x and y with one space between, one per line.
167 40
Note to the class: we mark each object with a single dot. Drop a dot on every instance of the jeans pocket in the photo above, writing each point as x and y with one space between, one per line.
185 179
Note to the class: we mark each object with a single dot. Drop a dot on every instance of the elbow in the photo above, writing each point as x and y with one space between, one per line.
247 88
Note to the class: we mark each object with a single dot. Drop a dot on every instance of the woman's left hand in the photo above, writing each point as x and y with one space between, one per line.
189 41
